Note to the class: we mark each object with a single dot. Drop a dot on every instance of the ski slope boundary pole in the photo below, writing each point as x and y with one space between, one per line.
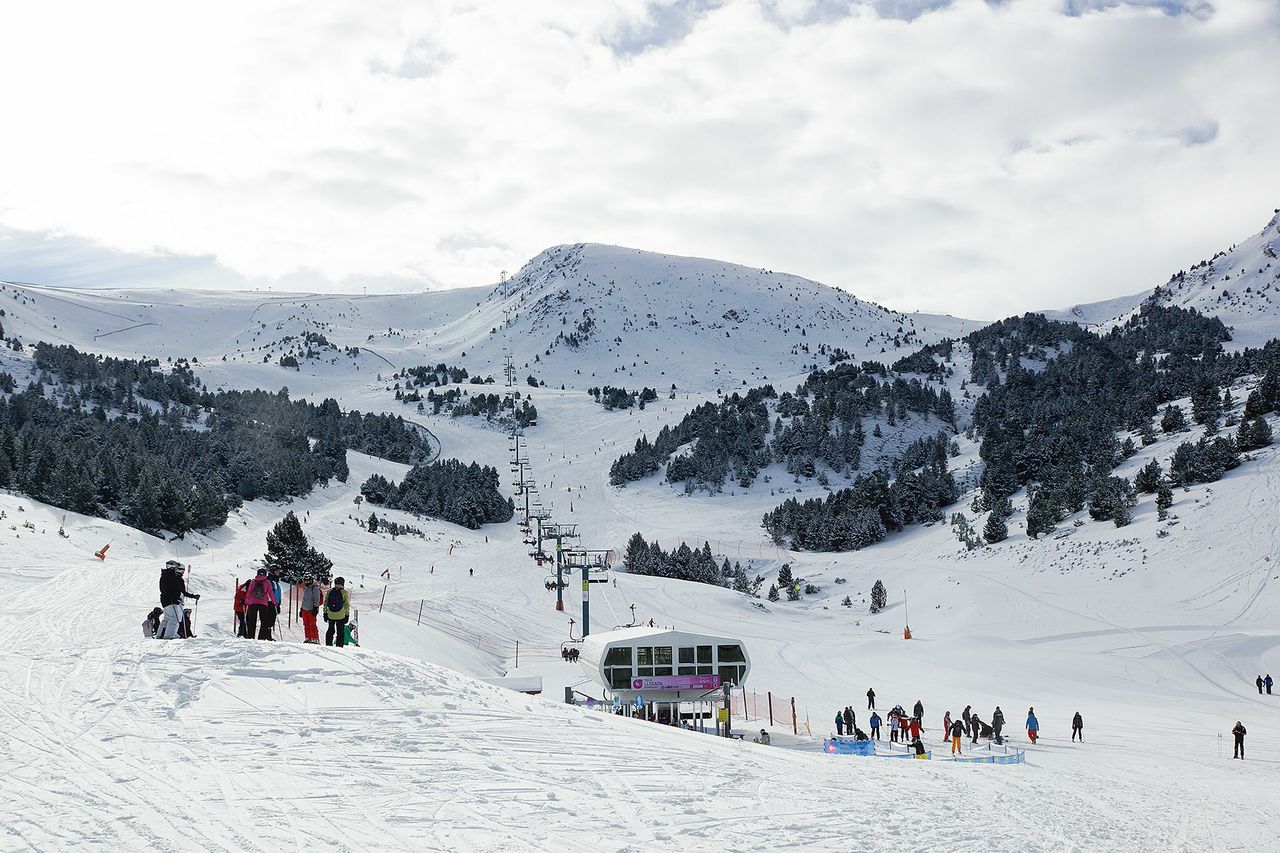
384 599
421 604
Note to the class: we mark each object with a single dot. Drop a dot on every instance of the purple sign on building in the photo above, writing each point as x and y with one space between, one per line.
676 682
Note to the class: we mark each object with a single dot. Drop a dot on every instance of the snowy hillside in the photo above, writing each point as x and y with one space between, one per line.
1240 285
575 315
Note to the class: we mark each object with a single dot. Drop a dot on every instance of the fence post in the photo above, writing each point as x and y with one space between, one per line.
517 654
769 693
795 727
420 605
384 599
746 714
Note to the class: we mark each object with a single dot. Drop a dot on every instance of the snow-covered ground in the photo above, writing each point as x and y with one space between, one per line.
117 743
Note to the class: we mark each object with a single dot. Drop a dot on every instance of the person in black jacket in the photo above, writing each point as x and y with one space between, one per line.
1258 681
849 719
997 723
871 699
957 730
1077 727
1239 731
172 590
919 711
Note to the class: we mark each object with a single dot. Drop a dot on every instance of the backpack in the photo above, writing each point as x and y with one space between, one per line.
262 588
333 602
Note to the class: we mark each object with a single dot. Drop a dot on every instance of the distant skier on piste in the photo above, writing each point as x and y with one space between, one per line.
1239 732
1258 681
1077 727
1267 682
871 699
918 711
1033 725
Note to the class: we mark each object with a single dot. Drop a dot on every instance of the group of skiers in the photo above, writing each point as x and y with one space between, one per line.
1264 682
258 603
176 622
903 725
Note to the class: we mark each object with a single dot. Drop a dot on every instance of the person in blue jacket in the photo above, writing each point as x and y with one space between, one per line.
839 723
1033 725
875 725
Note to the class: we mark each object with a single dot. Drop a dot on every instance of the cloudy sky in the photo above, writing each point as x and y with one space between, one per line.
970 157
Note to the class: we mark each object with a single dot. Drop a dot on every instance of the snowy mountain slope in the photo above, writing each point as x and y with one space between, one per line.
1240 285
575 315
250 746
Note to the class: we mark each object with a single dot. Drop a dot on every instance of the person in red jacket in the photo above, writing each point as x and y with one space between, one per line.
240 607
915 728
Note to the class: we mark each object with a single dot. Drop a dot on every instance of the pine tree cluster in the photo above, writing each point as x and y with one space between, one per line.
447 489
686 564
620 398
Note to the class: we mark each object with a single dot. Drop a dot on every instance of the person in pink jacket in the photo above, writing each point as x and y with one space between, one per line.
260 602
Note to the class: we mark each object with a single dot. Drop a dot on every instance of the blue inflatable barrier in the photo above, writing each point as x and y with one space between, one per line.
843 746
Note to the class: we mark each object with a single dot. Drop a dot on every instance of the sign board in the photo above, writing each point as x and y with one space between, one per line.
841 746
722 714
676 682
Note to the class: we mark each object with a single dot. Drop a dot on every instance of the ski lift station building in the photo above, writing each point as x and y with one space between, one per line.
663 665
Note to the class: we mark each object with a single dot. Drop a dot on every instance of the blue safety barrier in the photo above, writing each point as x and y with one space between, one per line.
927 755
843 746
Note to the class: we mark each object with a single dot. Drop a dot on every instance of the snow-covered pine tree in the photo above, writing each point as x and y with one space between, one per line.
995 530
879 597
291 555
1164 500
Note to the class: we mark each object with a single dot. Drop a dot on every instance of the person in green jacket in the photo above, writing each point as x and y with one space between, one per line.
337 607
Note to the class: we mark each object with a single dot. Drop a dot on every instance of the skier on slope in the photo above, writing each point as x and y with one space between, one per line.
997 724
337 607
871 699
914 726
875 725
849 719
309 609
241 608
946 727
1258 681
1239 732
918 747
895 720
968 712
172 591
259 602
919 710
1267 682
1033 725
957 730
839 724
975 728
1077 727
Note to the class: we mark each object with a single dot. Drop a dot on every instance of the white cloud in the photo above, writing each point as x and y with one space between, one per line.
974 158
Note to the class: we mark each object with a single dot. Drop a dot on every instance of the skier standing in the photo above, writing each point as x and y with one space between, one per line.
172 591
1239 731
1258 681
309 609
259 606
918 747
1077 727
1267 682
871 699
875 725
997 723
946 727
894 721
849 719
957 729
919 710
1033 725
240 607
337 607
975 726
915 727
839 724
